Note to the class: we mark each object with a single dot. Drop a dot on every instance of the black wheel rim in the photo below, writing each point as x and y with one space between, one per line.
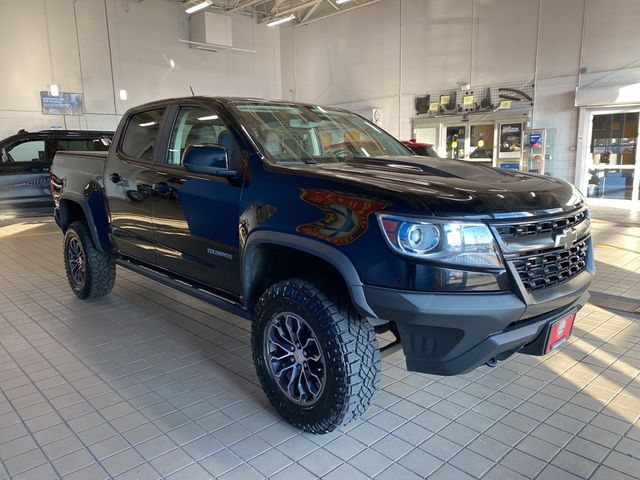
295 359
76 261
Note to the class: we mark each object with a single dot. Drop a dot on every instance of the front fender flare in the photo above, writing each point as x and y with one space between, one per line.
323 251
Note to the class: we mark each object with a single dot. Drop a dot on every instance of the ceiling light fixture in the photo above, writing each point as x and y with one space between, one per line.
54 90
279 21
340 2
198 6
123 95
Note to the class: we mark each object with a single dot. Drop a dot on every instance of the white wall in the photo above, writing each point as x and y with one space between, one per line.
40 44
445 43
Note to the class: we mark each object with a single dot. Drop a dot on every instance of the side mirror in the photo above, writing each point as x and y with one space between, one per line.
209 159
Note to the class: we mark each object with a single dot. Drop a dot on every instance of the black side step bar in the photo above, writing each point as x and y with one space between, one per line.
184 286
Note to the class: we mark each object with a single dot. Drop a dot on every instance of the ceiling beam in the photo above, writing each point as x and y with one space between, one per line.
343 10
240 6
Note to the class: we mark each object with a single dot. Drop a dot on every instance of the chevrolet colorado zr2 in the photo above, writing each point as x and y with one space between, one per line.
324 230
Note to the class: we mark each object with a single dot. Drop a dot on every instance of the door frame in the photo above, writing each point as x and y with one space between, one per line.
585 122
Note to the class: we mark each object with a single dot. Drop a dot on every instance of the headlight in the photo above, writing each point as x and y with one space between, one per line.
454 243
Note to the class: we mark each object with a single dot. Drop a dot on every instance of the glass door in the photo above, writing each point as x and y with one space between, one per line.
455 136
613 168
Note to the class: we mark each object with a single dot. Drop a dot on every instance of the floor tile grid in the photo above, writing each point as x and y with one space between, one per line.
95 411
559 375
405 377
98 375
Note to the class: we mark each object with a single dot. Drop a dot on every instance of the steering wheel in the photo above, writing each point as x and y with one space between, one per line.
339 152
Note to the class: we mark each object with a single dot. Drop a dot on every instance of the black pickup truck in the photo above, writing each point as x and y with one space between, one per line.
324 230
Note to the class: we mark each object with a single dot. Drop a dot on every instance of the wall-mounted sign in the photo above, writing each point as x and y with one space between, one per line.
64 104
510 165
534 139
445 99
505 104
467 101
510 140
433 106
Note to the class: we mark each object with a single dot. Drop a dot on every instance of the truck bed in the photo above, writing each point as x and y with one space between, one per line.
82 166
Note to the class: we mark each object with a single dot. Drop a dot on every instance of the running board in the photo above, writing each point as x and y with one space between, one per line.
185 286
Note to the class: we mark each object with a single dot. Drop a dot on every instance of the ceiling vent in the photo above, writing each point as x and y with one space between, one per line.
210 28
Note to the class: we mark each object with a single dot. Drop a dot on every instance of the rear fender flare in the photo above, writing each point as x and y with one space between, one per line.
92 206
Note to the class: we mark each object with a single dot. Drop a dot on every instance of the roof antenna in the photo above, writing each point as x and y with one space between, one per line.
191 88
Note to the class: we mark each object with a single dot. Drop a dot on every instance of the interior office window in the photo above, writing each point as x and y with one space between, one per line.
197 126
33 151
140 136
482 141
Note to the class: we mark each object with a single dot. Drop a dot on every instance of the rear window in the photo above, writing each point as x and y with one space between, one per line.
141 134
99 144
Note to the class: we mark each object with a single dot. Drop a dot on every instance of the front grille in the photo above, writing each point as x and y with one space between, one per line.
509 232
552 267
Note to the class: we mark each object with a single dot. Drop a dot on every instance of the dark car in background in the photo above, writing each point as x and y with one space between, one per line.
422 149
25 161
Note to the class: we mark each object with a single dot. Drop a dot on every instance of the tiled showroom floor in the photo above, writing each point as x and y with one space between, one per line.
150 383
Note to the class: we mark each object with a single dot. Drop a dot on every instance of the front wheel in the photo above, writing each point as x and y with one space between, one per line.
91 273
317 360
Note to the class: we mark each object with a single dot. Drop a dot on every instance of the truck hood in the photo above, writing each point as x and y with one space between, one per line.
452 187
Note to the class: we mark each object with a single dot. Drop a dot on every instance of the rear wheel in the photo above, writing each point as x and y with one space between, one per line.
91 273
317 360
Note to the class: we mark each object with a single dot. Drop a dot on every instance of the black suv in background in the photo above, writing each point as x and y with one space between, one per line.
25 161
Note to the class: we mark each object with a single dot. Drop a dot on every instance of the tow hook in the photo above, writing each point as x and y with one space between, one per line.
492 362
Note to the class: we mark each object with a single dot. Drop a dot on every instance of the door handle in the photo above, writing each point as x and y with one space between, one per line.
115 178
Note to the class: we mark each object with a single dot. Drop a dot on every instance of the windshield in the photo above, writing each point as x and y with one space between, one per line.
311 134
423 150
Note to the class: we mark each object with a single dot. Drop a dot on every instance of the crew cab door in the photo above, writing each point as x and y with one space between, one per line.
129 179
24 174
196 215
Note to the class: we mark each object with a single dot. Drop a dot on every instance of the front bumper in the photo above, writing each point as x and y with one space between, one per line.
449 334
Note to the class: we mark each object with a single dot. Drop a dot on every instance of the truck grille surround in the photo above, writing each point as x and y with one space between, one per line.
540 268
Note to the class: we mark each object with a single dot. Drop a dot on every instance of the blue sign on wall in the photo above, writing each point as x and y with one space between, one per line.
510 165
535 138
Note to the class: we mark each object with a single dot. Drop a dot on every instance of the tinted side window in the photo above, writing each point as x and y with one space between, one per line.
141 134
197 126
33 151
89 144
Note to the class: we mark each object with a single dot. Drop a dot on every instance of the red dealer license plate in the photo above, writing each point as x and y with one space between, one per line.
559 332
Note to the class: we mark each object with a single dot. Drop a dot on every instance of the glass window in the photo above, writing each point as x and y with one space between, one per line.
197 126
84 144
311 134
140 136
33 151
613 155
482 141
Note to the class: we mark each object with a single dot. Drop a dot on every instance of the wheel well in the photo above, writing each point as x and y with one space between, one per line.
272 263
70 212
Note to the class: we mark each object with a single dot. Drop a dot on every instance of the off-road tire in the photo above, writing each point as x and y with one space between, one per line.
100 266
350 352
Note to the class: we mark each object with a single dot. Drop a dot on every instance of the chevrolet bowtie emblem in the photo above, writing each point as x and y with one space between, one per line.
566 238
